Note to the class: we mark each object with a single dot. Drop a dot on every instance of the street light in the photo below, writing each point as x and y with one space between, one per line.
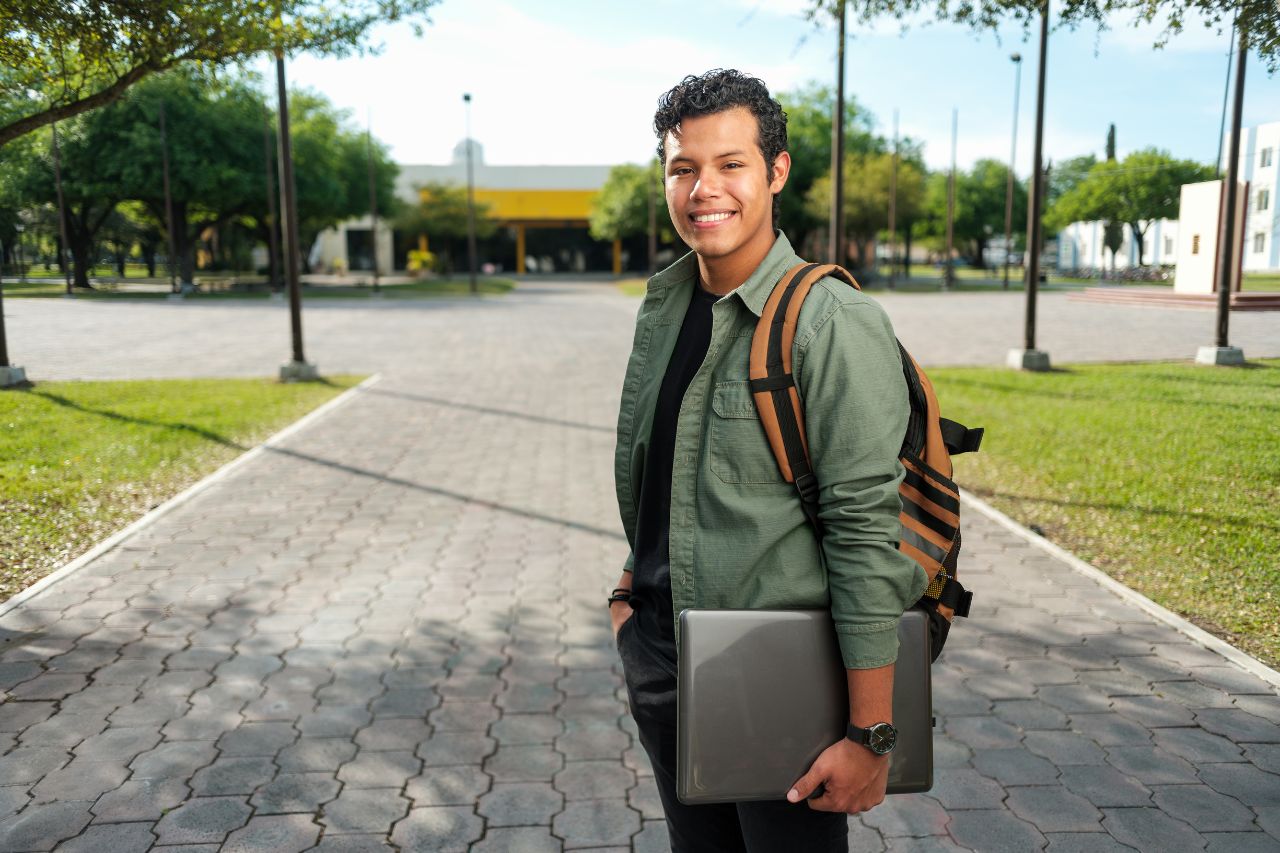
836 243
471 200
1013 153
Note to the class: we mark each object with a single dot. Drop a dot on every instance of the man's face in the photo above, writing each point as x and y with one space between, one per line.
719 190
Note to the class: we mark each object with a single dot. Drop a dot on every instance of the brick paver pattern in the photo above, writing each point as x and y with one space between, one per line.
389 633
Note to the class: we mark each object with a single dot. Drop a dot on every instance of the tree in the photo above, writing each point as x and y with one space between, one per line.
809 111
441 212
1064 177
1258 18
58 60
866 198
621 209
1144 187
979 208
330 160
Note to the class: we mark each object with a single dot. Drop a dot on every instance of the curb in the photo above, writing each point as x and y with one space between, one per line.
1201 637
183 497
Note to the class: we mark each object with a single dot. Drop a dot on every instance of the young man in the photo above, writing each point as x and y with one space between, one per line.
710 520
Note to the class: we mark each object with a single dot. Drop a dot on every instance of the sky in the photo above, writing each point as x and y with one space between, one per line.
576 81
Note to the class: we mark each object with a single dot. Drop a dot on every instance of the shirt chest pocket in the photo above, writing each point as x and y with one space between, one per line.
739 447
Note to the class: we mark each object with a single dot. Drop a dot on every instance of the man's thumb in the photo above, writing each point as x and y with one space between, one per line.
806 785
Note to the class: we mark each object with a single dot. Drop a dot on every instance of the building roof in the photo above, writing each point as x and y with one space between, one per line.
489 177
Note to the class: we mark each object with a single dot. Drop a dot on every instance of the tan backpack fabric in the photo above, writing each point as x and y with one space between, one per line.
930 499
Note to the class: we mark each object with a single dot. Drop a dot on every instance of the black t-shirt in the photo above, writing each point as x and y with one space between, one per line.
651 572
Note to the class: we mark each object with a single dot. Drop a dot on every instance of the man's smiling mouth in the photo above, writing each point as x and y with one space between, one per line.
710 217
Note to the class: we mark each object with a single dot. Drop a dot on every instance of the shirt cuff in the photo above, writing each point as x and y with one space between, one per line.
868 646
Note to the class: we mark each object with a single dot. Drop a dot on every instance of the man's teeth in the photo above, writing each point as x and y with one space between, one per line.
711 217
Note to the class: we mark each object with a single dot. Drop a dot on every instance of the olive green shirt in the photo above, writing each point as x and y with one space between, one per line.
739 538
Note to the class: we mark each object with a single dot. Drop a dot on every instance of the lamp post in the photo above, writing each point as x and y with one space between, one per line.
1222 352
1029 358
893 202
836 243
297 368
373 203
62 210
471 200
1013 153
948 276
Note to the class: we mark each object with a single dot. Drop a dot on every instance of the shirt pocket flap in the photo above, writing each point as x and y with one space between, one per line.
733 400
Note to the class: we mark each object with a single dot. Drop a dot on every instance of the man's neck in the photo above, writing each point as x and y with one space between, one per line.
726 274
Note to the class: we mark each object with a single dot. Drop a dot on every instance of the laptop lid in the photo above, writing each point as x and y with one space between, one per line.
761 693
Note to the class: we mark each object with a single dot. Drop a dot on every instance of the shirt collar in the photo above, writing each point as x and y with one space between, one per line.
754 292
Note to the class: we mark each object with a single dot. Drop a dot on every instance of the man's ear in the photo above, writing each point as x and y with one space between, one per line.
780 172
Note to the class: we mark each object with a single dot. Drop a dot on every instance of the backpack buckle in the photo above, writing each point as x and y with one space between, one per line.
807 486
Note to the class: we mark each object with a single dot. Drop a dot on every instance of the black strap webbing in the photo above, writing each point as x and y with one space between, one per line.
958 438
955 596
772 383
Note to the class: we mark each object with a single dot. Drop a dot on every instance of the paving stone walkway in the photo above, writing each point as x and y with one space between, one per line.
387 633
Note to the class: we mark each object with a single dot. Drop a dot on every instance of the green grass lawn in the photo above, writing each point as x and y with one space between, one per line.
81 460
1166 476
1261 281
425 288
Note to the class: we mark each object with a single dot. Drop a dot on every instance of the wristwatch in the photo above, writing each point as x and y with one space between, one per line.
880 738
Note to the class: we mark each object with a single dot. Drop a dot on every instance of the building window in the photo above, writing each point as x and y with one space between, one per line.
1259 241
1264 157
1264 199
1195 244
1168 245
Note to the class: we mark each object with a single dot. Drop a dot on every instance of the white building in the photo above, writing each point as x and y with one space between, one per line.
1080 246
1260 168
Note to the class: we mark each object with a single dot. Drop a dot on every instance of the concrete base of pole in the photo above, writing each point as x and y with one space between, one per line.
298 371
12 376
1227 356
1028 359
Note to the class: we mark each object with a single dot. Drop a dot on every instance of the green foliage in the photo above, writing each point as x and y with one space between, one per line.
1064 177
80 460
1259 18
442 212
867 183
621 209
979 206
1163 475
59 59
809 111
1145 186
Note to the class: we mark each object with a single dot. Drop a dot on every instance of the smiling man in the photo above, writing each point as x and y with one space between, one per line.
710 520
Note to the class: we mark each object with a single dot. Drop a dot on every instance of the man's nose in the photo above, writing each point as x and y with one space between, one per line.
708 185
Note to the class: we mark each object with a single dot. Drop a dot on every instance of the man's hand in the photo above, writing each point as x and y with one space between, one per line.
854 778
619 612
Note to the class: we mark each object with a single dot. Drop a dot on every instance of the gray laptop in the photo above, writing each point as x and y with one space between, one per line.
756 704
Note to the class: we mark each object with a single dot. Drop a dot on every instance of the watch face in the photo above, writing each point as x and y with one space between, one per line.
882 738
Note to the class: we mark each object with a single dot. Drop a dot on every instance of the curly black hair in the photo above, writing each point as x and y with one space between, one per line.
716 91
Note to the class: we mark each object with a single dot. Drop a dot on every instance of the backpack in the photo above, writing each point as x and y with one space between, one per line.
930 499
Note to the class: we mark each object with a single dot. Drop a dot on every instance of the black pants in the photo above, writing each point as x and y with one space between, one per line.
755 827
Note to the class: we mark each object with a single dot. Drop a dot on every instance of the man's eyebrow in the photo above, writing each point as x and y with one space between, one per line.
682 158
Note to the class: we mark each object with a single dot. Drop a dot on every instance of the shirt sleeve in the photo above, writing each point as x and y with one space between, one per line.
856 409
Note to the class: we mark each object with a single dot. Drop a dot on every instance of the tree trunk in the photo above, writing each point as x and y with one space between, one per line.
1140 237
906 255
980 258
121 254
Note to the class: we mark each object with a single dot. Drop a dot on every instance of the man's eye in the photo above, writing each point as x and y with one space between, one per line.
733 165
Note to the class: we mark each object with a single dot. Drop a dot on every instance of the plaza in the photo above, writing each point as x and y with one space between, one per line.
386 630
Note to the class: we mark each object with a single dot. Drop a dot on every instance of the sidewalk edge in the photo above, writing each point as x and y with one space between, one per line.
1200 636
182 497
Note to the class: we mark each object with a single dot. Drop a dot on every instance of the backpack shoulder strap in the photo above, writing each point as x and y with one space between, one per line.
773 385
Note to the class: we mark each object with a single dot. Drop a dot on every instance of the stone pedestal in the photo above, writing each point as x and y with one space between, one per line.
12 376
1220 355
1028 359
298 371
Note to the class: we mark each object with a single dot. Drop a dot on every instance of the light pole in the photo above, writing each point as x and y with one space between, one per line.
62 210
893 201
836 243
948 277
651 184
298 368
471 201
1029 358
1222 352
168 199
1013 153
373 203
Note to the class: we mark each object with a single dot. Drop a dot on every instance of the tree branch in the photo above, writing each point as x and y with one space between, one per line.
13 130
